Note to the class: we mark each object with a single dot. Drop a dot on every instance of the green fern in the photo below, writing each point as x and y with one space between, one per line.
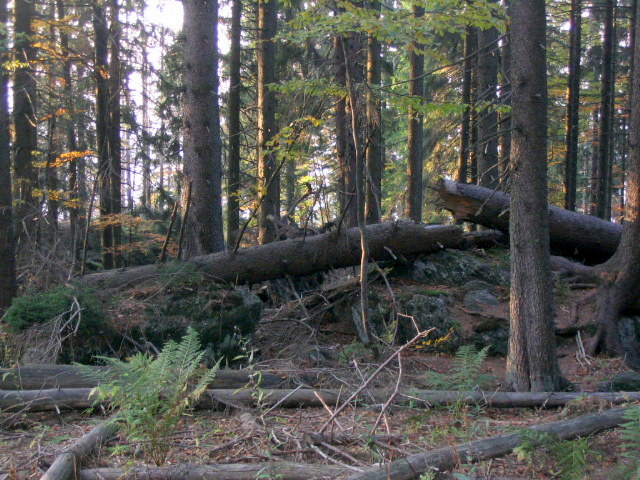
151 395
630 434
465 373
571 457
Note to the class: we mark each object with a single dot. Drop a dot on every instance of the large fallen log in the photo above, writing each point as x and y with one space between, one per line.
300 256
79 398
449 457
238 471
42 377
584 237
67 464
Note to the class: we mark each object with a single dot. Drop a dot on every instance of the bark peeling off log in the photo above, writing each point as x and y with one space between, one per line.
78 398
301 256
280 470
572 234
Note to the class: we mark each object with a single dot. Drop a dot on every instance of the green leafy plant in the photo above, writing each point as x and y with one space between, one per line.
151 395
630 434
465 373
571 458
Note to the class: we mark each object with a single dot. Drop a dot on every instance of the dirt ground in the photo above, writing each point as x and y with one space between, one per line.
30 442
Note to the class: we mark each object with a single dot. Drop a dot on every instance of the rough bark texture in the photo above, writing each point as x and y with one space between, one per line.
42 377
621 288
415 139
101 76
374 162
531 362
470 47
238 471
8 286
202 145
67 464
268 175
604 143
24 117
505 102
79 398
115 139
449 457
301 256
235 88
573 106
488 171
572 234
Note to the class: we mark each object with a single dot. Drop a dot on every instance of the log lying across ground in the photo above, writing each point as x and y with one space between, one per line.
572 234
298 256
79 398
41 377
449 457
69 462
238 471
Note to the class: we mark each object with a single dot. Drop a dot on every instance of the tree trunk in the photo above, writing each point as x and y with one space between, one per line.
374 163
25 119
573 106
201 129
488 172
115 140
415 138
449 457
532 364
505 116
470 47
602 175
235 89
268 174
281 470
105 165
301 256
572 234
43 377
622 286
8 286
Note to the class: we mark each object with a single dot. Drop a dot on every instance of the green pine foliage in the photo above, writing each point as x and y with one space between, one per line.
151 395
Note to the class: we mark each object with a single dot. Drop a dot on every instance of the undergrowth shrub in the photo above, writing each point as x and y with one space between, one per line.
151 395
630 434
65 323
465 373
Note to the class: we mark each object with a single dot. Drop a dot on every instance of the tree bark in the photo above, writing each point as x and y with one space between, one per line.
374 163
43 377
573 106
488 171
268 174
604 142
241 471
621 286
79 398
470 47
449 457
532 364
25 118
66 465
201 129
415 138
115 139
8 285
235 89
301 256
584 237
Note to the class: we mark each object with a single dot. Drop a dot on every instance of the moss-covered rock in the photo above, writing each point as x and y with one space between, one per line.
492 333
453 268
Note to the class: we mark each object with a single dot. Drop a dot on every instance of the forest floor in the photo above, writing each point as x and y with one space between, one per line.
29 442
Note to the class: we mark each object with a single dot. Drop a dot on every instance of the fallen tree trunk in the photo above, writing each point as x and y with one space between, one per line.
300 256
41 377
78 398
572 234
237 471
449 457
67 464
